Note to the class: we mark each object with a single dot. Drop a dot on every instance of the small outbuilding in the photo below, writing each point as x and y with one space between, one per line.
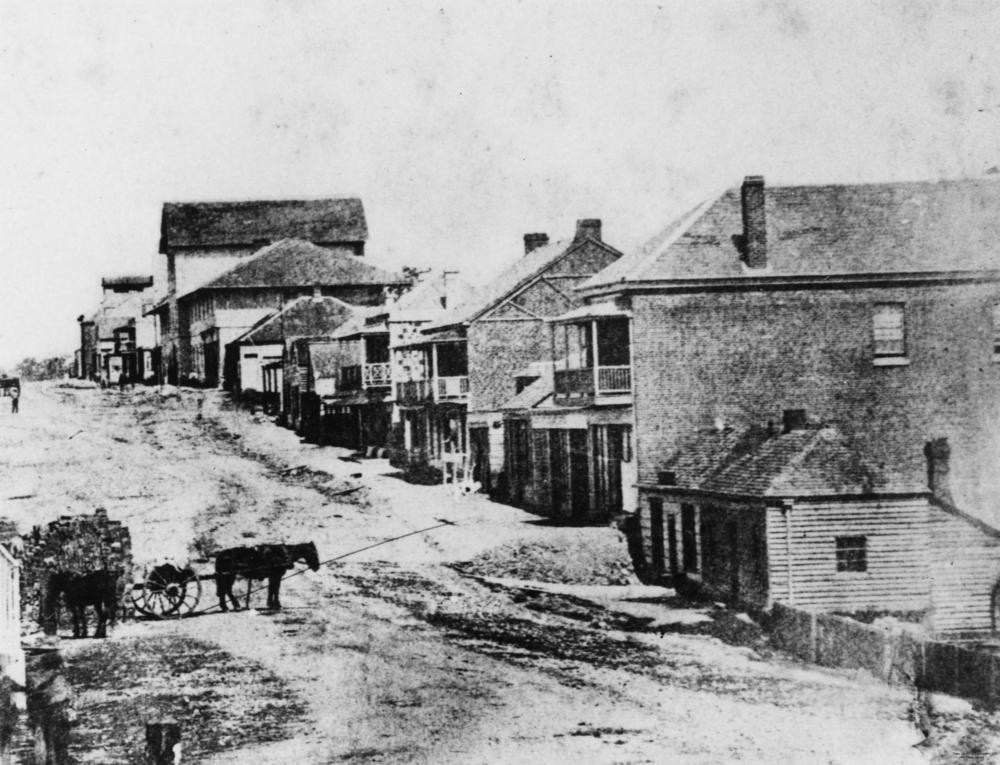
802 516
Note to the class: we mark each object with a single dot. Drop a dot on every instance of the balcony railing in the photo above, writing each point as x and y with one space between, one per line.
580 385
449 388
614 380
376 375
414 391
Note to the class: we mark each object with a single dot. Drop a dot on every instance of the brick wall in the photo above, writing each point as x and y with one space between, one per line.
746 356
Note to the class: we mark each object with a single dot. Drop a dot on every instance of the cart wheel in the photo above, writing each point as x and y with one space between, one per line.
167 591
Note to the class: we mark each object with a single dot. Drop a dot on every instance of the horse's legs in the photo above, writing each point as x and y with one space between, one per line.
249 590
224 589
79 620
102 620
273 588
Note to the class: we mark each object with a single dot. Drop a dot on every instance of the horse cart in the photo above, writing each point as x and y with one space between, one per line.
170 590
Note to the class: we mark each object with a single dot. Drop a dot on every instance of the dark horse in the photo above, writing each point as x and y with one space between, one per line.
261 562
94 588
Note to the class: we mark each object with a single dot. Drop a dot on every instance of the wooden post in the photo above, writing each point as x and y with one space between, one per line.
813 638
163 743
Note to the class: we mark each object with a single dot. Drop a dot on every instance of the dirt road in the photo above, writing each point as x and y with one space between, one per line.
393 655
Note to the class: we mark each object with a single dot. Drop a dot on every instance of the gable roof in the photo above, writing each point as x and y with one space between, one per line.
509 281
297 263
213 224
802 463
887 228
303 317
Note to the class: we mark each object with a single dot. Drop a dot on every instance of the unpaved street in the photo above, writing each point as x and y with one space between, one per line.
399 653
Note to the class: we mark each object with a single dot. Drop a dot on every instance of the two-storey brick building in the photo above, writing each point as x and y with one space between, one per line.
470 359
873 308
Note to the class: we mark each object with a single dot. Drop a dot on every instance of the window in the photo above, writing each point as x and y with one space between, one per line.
996 332
852 554
889 330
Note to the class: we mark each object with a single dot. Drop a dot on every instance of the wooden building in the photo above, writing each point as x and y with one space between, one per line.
201 241
268 340
803 515
215 313
118 339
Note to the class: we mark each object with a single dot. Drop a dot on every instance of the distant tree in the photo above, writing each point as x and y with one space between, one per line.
51 368
412 275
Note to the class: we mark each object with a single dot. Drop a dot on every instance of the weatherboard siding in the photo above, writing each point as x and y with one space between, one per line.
965 563
898 555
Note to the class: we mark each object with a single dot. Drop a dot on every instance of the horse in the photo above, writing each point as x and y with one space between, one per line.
94 588
261 562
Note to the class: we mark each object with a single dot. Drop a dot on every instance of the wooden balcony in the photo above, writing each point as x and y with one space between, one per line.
581 387
451 388
439 389
376 375
414 392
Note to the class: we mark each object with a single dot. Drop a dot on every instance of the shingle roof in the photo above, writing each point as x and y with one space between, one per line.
533 395
303 317
194 224
809 462
297 263
829 230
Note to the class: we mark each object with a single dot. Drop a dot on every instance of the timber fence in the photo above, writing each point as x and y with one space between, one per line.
890 652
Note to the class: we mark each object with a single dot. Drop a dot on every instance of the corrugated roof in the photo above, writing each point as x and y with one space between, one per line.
829 230
297 263
809 462
211 224
302 317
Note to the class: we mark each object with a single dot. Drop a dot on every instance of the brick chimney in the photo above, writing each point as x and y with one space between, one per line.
534 241
588 227
754 222
448 287
938 455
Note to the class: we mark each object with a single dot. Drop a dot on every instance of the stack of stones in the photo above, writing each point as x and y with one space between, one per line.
76 544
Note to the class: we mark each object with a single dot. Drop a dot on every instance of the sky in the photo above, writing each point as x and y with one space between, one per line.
462 126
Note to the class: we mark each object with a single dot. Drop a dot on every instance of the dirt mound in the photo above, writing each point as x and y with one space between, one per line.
570 556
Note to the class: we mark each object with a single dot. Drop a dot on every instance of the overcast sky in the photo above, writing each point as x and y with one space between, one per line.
461 125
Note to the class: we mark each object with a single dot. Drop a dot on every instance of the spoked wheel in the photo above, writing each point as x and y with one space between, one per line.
167 591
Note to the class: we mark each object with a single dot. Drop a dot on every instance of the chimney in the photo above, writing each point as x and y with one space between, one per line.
588 227
938 455
754 222
448 286
534 241
793 419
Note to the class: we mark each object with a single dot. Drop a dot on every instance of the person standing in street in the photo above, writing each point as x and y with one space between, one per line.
15 397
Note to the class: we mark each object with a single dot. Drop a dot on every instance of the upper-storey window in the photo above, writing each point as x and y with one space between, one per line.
890 330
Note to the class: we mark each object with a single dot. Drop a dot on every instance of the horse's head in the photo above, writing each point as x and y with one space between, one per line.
312 556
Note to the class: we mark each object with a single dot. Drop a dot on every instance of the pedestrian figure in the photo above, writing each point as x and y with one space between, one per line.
121 381
50 710
15 397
